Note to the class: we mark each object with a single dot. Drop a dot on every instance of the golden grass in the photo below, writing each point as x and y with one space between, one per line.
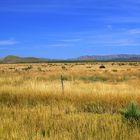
32 106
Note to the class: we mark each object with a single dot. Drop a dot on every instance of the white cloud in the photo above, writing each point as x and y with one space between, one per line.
8 42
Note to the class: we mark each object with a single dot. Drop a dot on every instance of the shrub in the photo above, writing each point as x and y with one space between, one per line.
132 112
27 68
64 68
88 67
43 132
93 78
114 70
39 69
102 67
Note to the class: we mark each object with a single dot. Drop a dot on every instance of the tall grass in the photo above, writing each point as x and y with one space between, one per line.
32 105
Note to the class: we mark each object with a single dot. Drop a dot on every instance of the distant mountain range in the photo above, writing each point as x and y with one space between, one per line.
121 57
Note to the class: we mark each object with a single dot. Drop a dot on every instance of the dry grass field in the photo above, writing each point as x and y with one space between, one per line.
32 106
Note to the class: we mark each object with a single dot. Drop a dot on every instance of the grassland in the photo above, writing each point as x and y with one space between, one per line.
32 106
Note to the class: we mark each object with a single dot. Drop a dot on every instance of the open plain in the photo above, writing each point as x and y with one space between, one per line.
33 106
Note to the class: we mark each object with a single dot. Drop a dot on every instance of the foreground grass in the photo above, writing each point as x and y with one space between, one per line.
33 108
39 123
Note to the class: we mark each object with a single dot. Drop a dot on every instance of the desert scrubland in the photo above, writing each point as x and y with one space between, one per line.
33 107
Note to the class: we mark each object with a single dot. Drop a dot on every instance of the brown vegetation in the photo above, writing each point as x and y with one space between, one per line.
32 105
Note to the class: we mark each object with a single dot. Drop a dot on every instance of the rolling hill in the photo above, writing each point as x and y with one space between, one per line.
15 59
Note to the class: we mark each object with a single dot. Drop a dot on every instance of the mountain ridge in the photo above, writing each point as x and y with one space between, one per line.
130 57
10 59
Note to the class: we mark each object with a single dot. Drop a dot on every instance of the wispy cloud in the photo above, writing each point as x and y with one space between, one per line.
134 31
121 39
59 45
109 36
8 42
70 40
120 42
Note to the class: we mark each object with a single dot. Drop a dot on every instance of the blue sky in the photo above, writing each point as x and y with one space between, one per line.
69 28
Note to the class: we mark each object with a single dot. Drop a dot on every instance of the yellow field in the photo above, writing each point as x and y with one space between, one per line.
32 106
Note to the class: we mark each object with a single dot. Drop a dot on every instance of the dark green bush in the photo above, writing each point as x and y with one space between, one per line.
132 112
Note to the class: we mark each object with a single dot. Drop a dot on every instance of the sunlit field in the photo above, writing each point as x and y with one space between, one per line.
33 106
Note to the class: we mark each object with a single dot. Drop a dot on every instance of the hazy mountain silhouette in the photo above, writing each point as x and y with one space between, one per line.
121 57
